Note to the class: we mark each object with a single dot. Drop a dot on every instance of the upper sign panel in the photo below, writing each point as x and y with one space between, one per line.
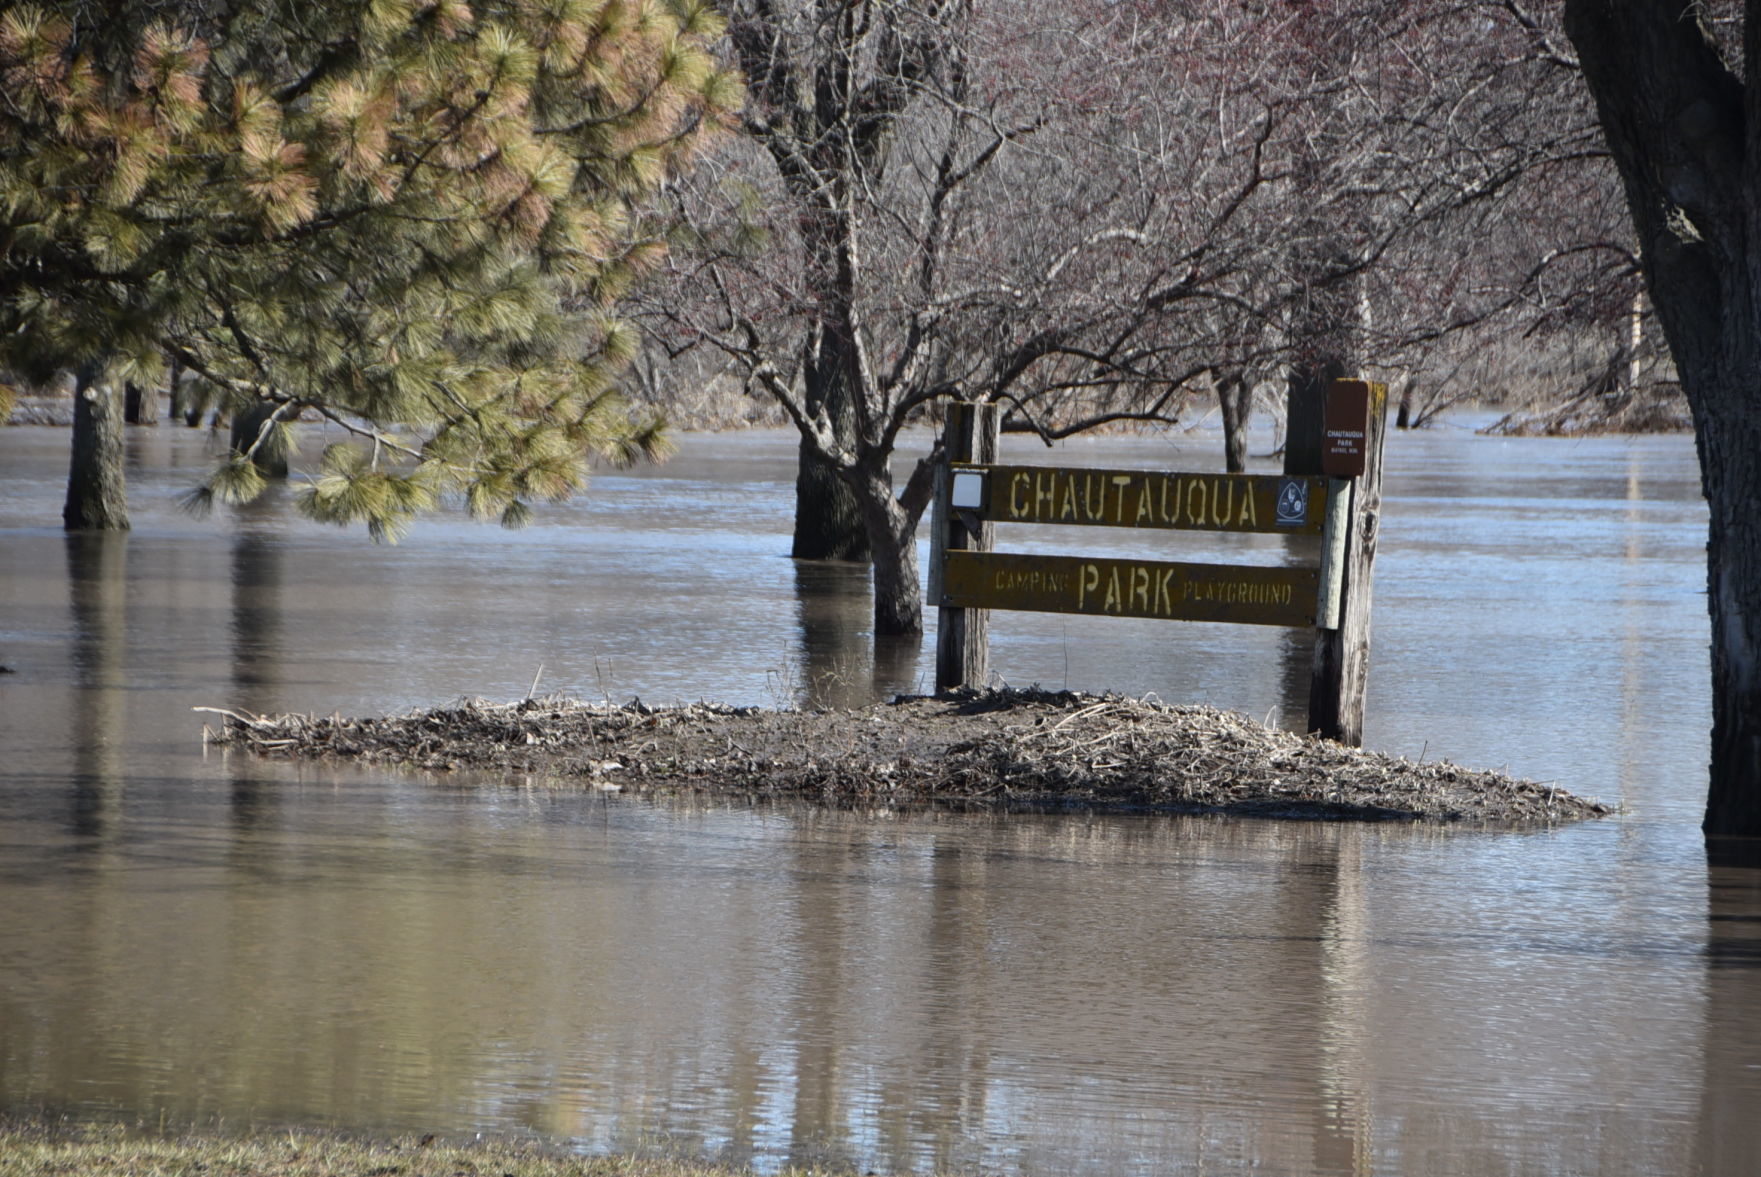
1143 498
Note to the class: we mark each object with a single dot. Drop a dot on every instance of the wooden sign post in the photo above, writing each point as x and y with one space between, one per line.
969 436
1354 427
1337 502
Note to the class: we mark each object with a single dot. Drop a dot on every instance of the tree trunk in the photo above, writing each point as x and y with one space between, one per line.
1730 454
97 497
828 523
1680 126
898 597
174 385
247 423
137 405
1306 407
187 400
1235 397
1635 345
1326 339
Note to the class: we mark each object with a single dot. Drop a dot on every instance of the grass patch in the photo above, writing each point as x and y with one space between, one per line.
40 1147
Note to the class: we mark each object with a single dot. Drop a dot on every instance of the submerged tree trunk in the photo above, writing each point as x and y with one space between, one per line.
97 496
1685 133
828 523
1730 454
898 597
175 408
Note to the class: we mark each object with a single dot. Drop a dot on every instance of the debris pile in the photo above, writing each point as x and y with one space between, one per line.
1005 748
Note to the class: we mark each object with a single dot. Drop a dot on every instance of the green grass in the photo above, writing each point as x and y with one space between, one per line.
40 1147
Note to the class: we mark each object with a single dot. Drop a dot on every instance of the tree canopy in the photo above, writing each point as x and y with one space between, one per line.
411 218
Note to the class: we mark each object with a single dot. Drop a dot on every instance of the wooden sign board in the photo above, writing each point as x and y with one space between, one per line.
1249 595
1142 498
1345 429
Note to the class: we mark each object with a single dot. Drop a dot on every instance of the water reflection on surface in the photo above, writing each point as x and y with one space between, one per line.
97 577
206 937
842 664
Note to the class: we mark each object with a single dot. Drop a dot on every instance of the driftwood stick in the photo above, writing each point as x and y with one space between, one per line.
256 721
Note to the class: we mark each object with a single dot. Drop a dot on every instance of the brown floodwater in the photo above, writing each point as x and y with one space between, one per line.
194 938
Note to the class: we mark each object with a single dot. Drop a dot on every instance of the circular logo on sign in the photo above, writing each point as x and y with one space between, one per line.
1293 502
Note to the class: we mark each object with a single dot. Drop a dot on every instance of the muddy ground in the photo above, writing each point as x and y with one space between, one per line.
1009 749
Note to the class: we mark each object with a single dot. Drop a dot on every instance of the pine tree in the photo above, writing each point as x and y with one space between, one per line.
410 218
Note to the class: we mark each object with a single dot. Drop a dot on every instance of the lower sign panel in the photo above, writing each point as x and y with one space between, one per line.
1244 594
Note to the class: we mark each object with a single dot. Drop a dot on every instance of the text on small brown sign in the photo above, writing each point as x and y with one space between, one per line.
1345 428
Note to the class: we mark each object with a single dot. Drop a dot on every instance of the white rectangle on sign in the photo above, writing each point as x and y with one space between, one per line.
968 490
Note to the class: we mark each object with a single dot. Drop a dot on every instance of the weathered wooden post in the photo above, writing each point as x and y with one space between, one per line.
1352 430
962 640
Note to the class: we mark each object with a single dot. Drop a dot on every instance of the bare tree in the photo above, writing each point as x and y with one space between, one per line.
1086 213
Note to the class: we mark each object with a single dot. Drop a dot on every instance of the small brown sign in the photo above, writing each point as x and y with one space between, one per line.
1346 429
1143 498
1245 594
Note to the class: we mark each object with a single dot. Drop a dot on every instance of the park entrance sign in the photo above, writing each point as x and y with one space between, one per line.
969 578
1253 595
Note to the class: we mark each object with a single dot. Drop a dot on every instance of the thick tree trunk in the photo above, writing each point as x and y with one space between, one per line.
1307 405
1730 453
1685 133
97 497
898 597
828 523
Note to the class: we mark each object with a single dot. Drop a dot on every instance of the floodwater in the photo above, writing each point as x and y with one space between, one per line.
191 937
